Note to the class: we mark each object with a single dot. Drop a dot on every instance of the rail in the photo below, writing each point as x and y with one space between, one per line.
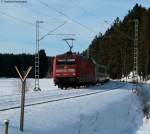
60 98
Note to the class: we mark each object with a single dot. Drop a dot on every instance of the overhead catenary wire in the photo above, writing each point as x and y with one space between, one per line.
66 16
39 12
51 17
21 20
16 18
76 3
30 23
84 10
62 34
53 30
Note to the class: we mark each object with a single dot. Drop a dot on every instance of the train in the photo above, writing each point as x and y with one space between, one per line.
74 70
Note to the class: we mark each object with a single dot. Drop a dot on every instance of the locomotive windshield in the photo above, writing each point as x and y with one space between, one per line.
66 62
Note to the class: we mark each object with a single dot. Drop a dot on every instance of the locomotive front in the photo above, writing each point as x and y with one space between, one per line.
65 70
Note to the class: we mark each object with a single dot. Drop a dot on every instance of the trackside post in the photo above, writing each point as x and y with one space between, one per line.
23 81
6 123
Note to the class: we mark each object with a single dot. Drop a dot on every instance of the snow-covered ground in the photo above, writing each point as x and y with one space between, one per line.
12 86
145 128
112 109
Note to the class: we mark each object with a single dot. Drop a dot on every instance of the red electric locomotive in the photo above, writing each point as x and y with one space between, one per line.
73 70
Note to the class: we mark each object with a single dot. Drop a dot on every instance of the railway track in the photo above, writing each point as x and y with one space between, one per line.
42 98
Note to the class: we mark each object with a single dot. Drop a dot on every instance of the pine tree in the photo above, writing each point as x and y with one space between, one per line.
115 48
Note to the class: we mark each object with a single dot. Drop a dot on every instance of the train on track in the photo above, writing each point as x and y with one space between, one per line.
74 70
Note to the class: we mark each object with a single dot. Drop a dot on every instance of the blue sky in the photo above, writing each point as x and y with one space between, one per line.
17 29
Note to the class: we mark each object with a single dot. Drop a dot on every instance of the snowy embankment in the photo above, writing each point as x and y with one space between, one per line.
145 97
117 111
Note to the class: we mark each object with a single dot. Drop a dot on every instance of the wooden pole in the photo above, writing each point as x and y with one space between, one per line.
22 105
23 80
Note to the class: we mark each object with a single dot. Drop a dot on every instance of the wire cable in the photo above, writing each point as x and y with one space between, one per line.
39 12
63 14
16 18
52 30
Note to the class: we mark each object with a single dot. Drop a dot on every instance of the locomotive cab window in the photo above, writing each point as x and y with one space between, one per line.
66 62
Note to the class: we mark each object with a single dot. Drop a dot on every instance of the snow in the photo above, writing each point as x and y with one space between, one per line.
12 86
114 109
145 128
130 76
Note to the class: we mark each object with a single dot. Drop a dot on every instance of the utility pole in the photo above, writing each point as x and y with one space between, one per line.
122 63
38 39
125 62
37 65
146 66
135 54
